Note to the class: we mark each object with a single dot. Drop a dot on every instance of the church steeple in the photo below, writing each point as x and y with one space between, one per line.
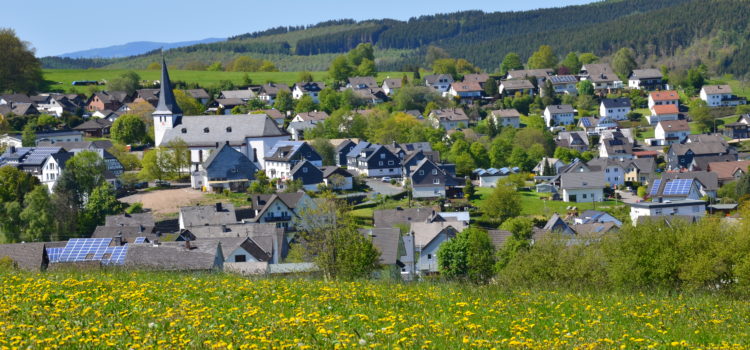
167 103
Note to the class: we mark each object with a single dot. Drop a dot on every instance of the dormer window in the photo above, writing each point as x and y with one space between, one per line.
229 129
434 171
205 130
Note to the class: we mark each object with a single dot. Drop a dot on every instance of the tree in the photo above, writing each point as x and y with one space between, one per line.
101 203
363 51
588 58
128 129
15 184
305 77
157 164
20 70
28 137
38 216
511 62
188 104
128 160
284 101
701 114
367 68
326 151
179 155
46 122
502 204
521 229
468 255
153 66
215 67
479 154
490 88
331 237
572 62
585 87
128 82
623 62
305 104
435 53
469 189
340 69
262 184
543 58
83 173
445 66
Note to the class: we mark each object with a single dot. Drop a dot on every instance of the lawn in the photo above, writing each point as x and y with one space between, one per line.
130 310
63 78
532 203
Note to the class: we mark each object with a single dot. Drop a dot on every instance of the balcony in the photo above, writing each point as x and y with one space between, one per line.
277 218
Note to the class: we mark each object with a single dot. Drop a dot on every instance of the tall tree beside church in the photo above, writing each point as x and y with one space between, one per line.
543 58
128 129
20 70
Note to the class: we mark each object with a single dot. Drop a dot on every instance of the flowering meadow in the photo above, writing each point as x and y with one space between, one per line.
126 310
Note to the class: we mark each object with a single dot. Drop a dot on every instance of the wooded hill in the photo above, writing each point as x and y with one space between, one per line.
676 32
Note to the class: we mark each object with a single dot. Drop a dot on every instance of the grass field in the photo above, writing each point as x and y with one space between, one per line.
63 78
129 310
532 203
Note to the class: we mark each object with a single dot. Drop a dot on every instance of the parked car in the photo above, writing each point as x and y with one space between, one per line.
162 183
386 179
141 185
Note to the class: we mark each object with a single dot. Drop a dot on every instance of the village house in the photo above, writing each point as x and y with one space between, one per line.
373 161
582 187
207 215
552 165
616 108
511 87
225 169
269 91
707 182
361 83
314 116
429 180
391 86
602 76
284 156
311 89
663 113
337 178
26 256
53 167
515 74
729 171
689 208
95 127
439 82
670 132
646 79
112 100
577 140
201 95
449 119
720 96
740 129
559 115
280 208
307 174
428 237
658 98
490 177
594 126
562 84
681 156
466 90
507 118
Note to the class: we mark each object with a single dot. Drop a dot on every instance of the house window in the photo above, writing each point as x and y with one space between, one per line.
304 170
380 163
382 156
205 130
434 171
390 162
421 172
435 181
184 131
429 256
584 195
229 129
240 258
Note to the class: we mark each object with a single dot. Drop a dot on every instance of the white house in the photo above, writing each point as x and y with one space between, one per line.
311 89
669 97
582 187
562 84
391 86
428 236
616 108
559 115
694 208
646 79
507 118
52 168
466 90
439 82
720 95
490 177
663 112
671 132
450 118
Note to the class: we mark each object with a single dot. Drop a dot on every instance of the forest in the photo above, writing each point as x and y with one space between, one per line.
677 33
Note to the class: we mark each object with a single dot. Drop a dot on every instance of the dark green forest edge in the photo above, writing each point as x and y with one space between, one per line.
676 33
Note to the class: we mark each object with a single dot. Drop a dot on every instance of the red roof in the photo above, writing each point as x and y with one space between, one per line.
669 95
645 154
665 109
675 125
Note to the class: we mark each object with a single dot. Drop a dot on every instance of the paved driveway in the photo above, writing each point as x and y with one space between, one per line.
383 187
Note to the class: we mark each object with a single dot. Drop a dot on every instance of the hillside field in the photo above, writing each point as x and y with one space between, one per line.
130 310
62 78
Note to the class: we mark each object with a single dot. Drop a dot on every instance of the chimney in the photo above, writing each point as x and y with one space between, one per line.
187 244
141 228
217 145
224 228
12 149
118 239
226 143
218 206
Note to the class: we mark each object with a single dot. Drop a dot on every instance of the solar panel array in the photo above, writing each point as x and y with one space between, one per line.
678 187
90 249
54 254
586 122
655 188
140 240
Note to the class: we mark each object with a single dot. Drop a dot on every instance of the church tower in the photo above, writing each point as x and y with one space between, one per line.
167 114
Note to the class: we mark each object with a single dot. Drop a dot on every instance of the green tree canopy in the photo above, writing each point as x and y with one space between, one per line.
128 82
502 204
543 58
128 129
188 104
623 62
20 70
83 173
572 62
511 62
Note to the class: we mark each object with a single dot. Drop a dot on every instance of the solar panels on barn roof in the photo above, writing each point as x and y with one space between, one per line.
89 249
655 188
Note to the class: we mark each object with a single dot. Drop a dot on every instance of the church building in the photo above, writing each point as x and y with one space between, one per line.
251 134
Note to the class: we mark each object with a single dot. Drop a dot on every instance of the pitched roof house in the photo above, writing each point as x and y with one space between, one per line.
26 256
211 215
646 79
284 156
582 187
449 118
432 181
225 168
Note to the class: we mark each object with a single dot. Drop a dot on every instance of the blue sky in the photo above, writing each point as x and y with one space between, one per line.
55 28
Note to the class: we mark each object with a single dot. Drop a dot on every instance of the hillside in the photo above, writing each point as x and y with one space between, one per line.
134 48
200 310
660 31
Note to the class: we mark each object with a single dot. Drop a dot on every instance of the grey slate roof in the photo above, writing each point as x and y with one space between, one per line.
600 72
208 215
26 256
167 103
425 232
228 163
202 255
616 102
560 109
144 219
699 148
516 84
386 240
506 113
582 180
391 217
717 89
648 73
242 126
709 180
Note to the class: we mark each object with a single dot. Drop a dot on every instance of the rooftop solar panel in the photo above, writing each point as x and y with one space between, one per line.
655 188
586 122
54 254
140 240
678 187
85 249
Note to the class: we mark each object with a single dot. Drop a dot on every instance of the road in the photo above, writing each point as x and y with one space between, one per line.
383 188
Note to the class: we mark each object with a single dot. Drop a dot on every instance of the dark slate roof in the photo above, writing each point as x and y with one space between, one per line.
198 93
94 123
284 151
699 148
386 241
616 102
648 73
434 78
582 180
391 217
167 103
221 128
600 72
61 158
312 86
702 162
363 82
69 146
709 180
228 163
26 256
561 109
208 215
128 233
272 89
202 255
334 170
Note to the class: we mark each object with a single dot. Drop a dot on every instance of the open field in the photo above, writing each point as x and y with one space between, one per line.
64 77
532 204
166 201
130 310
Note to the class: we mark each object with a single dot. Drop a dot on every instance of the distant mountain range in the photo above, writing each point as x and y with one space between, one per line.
134 48
675 33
